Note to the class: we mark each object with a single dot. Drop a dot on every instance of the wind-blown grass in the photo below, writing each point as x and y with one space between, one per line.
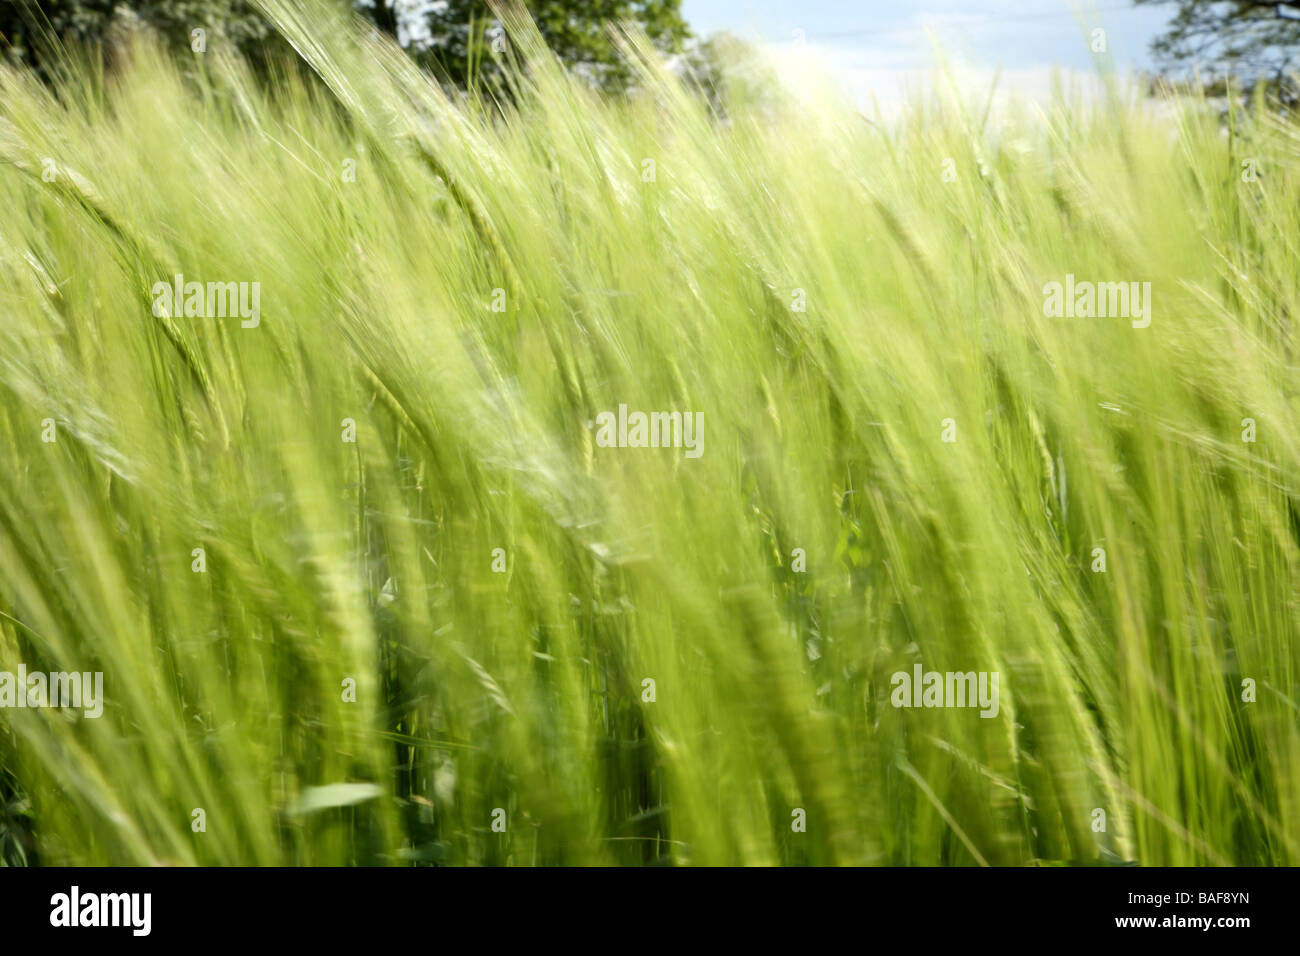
329 561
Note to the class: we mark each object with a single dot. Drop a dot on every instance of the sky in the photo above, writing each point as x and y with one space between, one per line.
878 47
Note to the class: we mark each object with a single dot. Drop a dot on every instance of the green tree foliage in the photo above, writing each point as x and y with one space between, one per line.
24 23
1253 42
459 38
453 37
730 73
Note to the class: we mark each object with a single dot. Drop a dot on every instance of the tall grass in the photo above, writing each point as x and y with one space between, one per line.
372 561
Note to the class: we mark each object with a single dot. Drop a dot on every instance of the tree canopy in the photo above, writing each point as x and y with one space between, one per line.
452 37
1252 41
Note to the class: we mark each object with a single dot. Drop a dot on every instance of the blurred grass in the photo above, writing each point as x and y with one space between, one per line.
475 690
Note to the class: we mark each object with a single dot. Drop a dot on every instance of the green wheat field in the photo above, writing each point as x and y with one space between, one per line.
365 586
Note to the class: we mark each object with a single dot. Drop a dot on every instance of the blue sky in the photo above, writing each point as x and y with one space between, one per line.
876 44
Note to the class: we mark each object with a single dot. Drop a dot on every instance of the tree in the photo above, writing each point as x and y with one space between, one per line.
23 22
1251 42
457 37
730 73
27 26
453 37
